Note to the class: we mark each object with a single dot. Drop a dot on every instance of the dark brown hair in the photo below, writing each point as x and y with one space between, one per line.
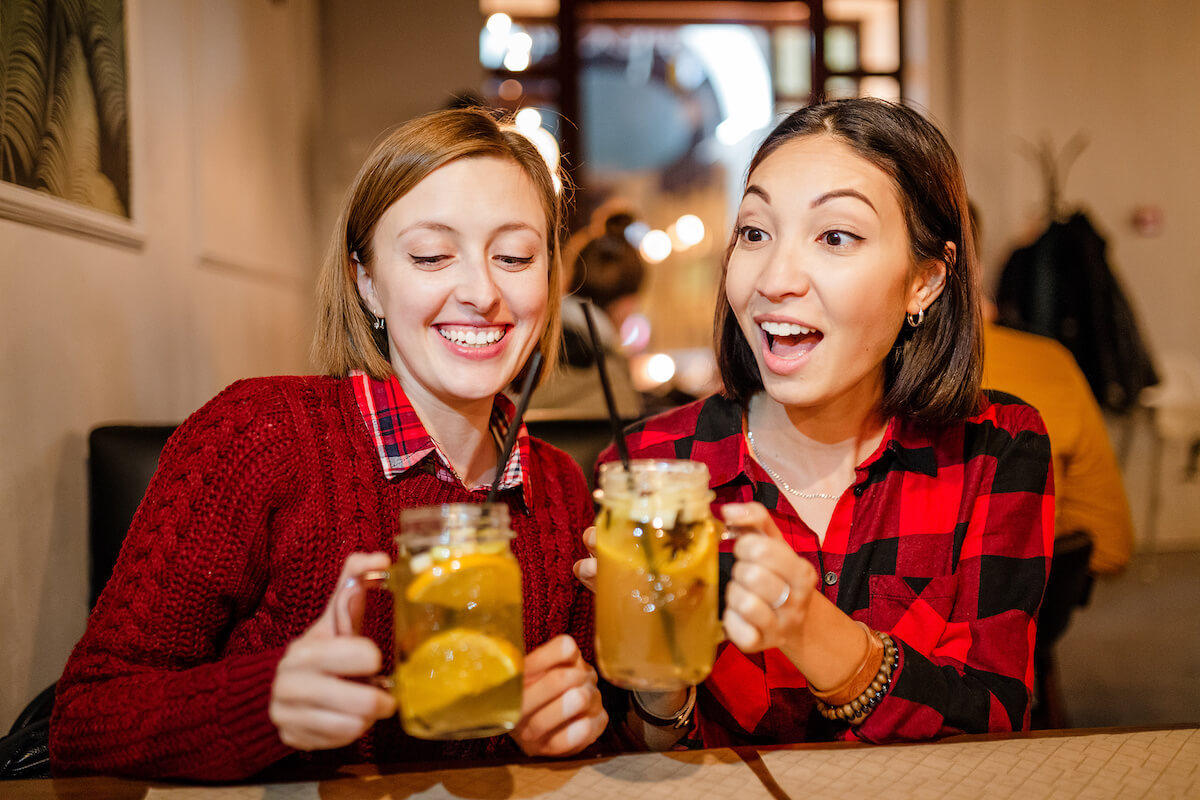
608 267
933 372
344 338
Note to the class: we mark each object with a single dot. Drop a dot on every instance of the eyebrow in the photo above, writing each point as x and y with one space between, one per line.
755 189
441 227
825 198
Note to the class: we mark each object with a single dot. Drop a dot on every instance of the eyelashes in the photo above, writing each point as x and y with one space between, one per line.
514 263
835 238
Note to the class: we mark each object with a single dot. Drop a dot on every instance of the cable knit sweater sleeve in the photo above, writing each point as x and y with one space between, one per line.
153 688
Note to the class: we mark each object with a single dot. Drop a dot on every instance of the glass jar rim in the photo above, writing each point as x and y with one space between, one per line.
680 466
652 475
450 523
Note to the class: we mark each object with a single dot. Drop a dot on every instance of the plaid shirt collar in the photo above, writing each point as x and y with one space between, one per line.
720 417
403 443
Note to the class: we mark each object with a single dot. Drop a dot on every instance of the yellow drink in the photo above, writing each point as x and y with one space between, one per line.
656 575
459 639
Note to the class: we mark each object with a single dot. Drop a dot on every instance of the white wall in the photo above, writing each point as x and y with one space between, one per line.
222 115
1125 76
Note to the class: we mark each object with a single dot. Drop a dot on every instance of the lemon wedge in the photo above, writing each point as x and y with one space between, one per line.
457 675
458 579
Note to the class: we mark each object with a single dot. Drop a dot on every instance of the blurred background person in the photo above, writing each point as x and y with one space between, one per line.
607 271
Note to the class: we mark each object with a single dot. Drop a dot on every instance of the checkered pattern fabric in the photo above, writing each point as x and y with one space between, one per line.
403 442
943 541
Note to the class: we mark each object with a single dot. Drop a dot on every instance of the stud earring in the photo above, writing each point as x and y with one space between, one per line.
379 324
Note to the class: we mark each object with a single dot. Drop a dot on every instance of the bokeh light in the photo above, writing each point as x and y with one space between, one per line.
656 246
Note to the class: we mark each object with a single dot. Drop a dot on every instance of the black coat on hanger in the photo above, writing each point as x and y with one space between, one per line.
1061 286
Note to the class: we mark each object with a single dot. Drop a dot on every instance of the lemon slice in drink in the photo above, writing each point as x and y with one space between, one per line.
449 671
461 579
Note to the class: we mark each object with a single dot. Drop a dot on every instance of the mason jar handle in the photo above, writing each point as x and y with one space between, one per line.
342 626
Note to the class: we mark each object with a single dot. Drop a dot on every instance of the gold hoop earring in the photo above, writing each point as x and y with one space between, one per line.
915 320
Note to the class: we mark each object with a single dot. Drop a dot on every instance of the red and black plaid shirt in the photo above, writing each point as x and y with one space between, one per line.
943 541
403 442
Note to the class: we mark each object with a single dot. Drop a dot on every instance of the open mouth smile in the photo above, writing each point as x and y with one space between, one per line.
472 336
789 341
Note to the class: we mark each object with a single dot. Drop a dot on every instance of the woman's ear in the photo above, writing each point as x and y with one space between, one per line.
366 288
930 280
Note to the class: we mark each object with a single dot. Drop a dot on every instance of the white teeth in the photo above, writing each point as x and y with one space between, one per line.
472 337
785 329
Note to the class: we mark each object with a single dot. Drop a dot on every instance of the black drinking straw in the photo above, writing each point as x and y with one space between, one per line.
664 612
614 418
510 438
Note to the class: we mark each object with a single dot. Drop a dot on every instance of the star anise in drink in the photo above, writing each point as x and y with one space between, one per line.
679 536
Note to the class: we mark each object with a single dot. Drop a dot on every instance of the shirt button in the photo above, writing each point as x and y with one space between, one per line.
830 578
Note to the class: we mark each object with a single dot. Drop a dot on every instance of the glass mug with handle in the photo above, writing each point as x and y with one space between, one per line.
459 641
657 586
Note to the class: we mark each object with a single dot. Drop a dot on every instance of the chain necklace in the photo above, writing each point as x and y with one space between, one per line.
782 483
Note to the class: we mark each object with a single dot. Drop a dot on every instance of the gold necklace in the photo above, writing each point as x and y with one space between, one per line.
779 480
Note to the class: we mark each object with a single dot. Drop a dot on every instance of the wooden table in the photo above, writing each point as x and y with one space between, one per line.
1158 763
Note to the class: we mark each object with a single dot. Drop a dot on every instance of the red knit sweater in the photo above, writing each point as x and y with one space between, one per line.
234 552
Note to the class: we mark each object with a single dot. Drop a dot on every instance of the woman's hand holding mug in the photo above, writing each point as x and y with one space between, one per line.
767 599
315 703
561 712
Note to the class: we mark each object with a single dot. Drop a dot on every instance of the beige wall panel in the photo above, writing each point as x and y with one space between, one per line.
96 332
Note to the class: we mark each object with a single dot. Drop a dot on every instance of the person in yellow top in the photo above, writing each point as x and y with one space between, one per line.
1089 494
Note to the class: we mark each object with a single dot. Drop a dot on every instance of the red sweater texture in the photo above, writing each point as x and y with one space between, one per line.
258 499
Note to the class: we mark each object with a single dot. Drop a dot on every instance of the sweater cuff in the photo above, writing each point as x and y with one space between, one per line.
244 711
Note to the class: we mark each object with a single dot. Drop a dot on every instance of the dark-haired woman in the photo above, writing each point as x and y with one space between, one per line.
896 521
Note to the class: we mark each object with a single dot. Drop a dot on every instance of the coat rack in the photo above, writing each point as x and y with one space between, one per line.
1054 168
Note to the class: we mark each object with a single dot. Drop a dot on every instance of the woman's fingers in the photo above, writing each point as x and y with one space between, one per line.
313 708
343 613
551 686
342 655
750 518
564 726
764 583
559 651
565 706
767 596
321 729
585 571
315 703
317 692
585 568
561 711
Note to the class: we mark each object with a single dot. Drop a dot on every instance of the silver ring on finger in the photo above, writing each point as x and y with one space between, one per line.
783 597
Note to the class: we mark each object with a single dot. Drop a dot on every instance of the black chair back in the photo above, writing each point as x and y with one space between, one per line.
121 461
1069 587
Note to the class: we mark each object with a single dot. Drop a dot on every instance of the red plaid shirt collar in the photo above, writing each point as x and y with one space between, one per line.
403 442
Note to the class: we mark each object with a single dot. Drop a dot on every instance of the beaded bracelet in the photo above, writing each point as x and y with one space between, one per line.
857 709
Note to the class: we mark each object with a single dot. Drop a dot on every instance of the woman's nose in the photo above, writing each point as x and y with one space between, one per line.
477 286
785 274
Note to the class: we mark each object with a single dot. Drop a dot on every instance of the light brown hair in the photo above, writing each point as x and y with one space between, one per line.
345 339
933 372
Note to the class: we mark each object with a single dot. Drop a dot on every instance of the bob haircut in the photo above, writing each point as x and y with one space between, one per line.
345 339
933 372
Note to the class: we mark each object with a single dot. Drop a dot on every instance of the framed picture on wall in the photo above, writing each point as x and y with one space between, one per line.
64 117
